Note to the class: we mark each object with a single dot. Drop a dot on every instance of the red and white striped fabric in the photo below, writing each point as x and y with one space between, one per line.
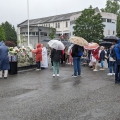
91 46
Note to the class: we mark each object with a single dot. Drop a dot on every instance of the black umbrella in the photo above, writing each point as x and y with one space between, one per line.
111 38
106 44
46 40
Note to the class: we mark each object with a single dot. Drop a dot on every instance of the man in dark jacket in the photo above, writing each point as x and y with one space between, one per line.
55 56
102 57
76 59
116 55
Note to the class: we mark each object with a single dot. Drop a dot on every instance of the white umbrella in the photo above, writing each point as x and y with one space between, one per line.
58 45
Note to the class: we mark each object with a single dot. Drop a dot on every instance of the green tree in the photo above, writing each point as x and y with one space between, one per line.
52 33
89 25
113 6
10 32
118 25
2 34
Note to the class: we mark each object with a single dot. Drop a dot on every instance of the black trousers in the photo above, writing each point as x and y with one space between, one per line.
117 74
38 65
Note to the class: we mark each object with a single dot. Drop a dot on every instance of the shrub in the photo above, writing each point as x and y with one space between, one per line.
10 43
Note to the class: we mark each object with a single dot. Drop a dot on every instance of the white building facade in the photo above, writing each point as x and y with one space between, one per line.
64 24
109 20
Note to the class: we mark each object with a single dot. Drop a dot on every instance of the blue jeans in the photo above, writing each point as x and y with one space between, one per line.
102 63
117 74
77 66
112 66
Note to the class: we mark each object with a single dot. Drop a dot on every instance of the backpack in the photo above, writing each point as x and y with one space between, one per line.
80 51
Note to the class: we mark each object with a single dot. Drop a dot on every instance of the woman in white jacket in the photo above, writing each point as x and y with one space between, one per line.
44 62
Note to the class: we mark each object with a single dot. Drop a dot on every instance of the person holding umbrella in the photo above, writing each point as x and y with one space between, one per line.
56 52
77 52
94 54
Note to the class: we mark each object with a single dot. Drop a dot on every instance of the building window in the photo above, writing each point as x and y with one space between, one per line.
58 25
30 33
36 33
113 32
109 20
43 33
108 32
33 33
66 24
104 19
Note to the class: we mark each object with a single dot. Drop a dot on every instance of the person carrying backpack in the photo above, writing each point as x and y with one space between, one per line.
77 52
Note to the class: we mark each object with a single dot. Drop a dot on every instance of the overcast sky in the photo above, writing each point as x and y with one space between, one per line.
15 11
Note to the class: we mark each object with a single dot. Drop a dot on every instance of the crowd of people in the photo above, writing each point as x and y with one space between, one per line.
70 55
73 55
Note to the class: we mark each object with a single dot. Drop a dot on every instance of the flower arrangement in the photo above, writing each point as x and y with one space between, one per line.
25 56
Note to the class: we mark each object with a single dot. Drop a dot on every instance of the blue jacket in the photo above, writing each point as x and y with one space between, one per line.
117 52
4 59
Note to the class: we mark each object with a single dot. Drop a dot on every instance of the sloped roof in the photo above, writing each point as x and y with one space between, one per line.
50 19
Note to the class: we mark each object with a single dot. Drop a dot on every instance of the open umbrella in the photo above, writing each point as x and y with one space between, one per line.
111 38
106 44
78 41
58 45
91 46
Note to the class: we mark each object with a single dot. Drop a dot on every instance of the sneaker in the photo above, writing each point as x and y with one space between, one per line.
101 69
113 73
58 75
37 69
95 70
79 75
109 74
74 76
53 75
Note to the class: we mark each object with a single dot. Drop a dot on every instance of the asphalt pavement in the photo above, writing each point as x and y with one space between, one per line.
36 95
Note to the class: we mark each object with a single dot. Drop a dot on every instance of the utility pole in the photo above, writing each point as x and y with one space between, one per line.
28 19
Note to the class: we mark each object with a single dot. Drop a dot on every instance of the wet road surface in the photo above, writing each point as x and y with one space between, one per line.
36 95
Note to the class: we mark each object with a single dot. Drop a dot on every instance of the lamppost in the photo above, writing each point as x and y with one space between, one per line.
28 19
39 29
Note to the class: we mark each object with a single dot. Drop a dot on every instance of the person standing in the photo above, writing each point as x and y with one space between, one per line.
77 52
38 53
51 57
102 57
4 60
116 56
55 56
70 54
94 59
44 62
112 63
